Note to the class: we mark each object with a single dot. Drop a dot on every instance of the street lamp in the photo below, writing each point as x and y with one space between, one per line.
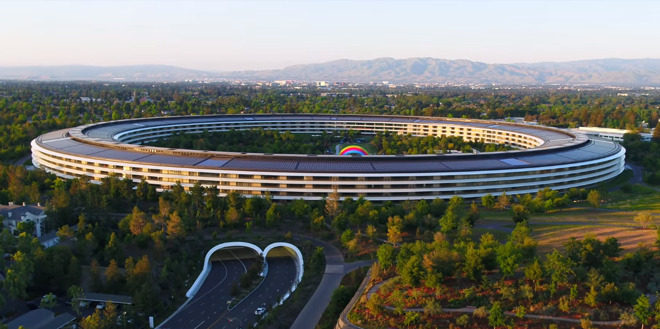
124 319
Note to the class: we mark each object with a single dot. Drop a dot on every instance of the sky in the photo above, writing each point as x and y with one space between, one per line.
229 35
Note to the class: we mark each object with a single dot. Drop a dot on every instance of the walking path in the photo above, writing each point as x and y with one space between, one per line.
335 269
471 310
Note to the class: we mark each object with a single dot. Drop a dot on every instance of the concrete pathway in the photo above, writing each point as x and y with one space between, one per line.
335 269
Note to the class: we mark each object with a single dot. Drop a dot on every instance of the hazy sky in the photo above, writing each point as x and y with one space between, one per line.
238 35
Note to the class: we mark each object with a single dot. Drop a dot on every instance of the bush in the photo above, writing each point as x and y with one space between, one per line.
480 312
463 320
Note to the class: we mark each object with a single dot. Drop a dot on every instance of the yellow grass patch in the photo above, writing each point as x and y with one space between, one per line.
630 238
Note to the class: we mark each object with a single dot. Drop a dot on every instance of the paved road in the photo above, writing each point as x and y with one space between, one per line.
211 299
335 269
280 278
22 160
208 309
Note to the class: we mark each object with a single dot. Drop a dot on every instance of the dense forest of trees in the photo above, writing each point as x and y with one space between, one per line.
28 109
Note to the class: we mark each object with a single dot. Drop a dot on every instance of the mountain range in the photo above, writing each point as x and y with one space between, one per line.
639 72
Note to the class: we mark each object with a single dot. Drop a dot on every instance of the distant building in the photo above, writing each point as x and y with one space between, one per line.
14 214
611 133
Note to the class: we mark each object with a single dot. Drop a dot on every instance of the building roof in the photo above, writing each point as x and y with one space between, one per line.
34 319
103 142
101 298
18 211
41 319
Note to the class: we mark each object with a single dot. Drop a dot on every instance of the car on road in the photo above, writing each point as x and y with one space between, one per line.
260 311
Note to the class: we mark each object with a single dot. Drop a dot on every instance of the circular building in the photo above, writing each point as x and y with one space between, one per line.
544 157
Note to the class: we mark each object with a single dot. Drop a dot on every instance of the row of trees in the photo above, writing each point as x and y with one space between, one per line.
28 109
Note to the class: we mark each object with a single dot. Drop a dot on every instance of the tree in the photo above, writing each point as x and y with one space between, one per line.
65 233
656 133
503 201
372 232
75 293
559 267
448 222
593 198
386 256
375 304
232 215
139 274
432 307
644 218
496 316
347 236
27 227
488 201
394 227
412 272
520 213
16 284
18 276
472 266
272 215
474 213
48 301
112 275
332 204
508 257
643 310
175 229
138 222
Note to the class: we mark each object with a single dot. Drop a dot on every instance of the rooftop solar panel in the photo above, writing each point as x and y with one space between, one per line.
515 162
83 149
336 166
475 164
252 164
120 155
61 143
417 166
214 162
172 160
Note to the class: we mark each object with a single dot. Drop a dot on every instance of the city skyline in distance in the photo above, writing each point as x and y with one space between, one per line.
257 35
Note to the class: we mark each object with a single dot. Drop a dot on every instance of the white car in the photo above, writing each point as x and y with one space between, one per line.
260 311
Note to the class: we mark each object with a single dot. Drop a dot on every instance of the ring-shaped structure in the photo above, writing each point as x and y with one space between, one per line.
545 157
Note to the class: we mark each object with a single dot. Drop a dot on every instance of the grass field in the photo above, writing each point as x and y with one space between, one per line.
552 230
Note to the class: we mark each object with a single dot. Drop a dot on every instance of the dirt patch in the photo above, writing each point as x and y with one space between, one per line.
630 238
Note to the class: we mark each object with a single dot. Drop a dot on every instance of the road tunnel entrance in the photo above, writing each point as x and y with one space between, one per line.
244 250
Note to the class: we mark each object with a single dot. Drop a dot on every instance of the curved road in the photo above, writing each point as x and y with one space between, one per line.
335 269
211 299
208 309
278 281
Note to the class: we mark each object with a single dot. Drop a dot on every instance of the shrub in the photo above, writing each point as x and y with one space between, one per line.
463 320
480 312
